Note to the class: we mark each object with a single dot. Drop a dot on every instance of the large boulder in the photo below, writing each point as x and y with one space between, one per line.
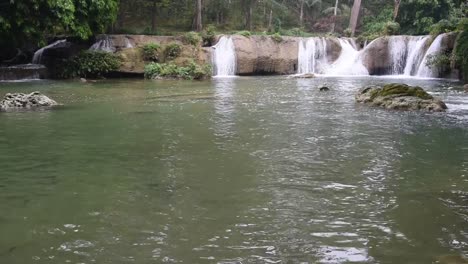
400 97
376 57
33 100
265 55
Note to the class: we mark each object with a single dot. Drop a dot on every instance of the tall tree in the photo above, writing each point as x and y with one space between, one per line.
335 12
396 8
354 16
197 21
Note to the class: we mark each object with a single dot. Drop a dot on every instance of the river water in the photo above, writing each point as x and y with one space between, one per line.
236 170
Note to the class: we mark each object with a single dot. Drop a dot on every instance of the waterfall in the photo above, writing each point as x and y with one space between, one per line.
128 44
415 54
434 49
105 44
349 61
312 57
397 47
37 58
224 57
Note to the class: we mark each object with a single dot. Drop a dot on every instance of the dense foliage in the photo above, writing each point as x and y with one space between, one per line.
26 22
169 70
151 52
292 17
90 64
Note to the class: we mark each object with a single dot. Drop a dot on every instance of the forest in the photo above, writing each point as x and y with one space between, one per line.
19 23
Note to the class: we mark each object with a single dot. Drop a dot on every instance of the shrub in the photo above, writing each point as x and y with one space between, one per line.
151 51
90 64
192 38
439 61
391 28
208 35
277 37
172 51
244 33
461 50
297 32
442 26
191 72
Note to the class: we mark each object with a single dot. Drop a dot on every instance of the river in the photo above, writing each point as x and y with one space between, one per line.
233 170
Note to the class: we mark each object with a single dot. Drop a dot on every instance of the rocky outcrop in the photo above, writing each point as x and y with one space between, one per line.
376 57
22 72
264 55
33 100
129 48
400 97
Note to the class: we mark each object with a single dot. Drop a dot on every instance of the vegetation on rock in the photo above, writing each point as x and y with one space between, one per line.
151 51
192 71
90 64
172 51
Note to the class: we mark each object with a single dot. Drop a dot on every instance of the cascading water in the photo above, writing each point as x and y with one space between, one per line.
349 61
415 54
128 44
406 56
37 58
424 70
105 44
312 55
397 50
224 57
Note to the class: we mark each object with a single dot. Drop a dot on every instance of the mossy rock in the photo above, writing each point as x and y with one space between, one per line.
398 89
400 97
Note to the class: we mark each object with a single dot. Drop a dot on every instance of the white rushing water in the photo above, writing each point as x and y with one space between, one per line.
415 54
424 70
224 57
349 62
105 44
407 55
397 50
312 55
37 58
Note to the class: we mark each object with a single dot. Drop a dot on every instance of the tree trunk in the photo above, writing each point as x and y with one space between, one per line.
354 16
197 22
153 17
335 12
270 21
396 9
301 13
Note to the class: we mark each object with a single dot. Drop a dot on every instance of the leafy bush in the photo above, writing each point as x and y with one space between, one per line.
442 26
376 26
439 61
208 35
172 51
244 33
191 72
297 32
192 38
461 50
150 51
391 28
277 37
90 64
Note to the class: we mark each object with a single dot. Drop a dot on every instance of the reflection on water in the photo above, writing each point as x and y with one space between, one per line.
233 170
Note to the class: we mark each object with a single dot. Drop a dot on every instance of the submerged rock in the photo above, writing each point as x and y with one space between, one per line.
400 97
324 89
465 87
25 101
303 76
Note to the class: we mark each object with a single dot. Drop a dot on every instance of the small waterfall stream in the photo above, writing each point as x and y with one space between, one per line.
434 49
37 58
397 46
349 61
415 54
312 55
224 57
105 44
